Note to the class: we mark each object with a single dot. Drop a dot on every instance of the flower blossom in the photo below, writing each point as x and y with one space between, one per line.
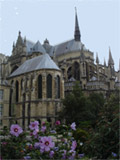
81 155
43 128
27 157
35 132
73 154
43 123
74 145
57 123
114 154
73 126
15 130
34 125
64 154
51 154
46 143
37 145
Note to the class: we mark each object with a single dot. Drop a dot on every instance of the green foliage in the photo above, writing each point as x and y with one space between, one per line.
79 108
104 139
80 135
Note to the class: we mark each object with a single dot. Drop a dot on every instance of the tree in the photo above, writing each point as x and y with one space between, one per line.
104 138
78 107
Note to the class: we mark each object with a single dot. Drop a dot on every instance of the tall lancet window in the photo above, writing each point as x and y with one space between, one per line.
58 87
39 86
76 71
17 91
49 86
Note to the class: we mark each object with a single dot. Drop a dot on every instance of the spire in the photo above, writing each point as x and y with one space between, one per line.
13 44
19 40
97 59
104 62
119 65
77 35
110 61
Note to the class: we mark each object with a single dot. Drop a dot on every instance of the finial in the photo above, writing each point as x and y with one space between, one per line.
104 62
110 61
119 64
19 33
97 59
25 39
13 44
75 10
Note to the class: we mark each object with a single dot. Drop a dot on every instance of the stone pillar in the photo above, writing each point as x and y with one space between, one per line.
61 88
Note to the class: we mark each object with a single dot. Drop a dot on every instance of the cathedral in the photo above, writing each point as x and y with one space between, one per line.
36 76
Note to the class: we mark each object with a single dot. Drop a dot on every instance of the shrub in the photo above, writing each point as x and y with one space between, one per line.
41 142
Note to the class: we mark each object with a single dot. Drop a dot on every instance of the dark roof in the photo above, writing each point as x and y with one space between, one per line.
40 62
68 46
38 48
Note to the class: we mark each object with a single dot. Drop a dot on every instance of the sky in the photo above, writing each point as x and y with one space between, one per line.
99 22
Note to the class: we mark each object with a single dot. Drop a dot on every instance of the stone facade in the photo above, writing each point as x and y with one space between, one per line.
74 62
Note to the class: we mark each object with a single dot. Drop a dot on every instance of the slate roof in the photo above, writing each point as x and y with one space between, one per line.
38 48
29 45
40 62
68 46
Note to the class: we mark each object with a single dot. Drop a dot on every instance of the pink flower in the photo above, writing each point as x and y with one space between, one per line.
74 145
64 154
4 143
46 143
43 123
15 130
34 125
35 132
73 125
37 145
51 154
73 154
43 129
57 122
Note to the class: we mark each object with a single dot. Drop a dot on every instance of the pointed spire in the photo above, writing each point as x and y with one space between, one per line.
46 41
19 33
77 35
13 44
104 62
110 61
97 59
19 40
24 39
119 65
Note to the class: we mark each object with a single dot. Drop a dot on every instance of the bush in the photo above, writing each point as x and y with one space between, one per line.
41 142
103 142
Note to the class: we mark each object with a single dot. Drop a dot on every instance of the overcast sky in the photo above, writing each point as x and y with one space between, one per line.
55 19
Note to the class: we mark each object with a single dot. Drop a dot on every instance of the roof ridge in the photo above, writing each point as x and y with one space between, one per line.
63 42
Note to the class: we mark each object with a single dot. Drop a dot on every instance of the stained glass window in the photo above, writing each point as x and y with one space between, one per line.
49 86
39 86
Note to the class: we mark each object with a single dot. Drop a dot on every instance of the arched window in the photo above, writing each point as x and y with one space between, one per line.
76 71
17 91
69 72
49 86
39 86
57 87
